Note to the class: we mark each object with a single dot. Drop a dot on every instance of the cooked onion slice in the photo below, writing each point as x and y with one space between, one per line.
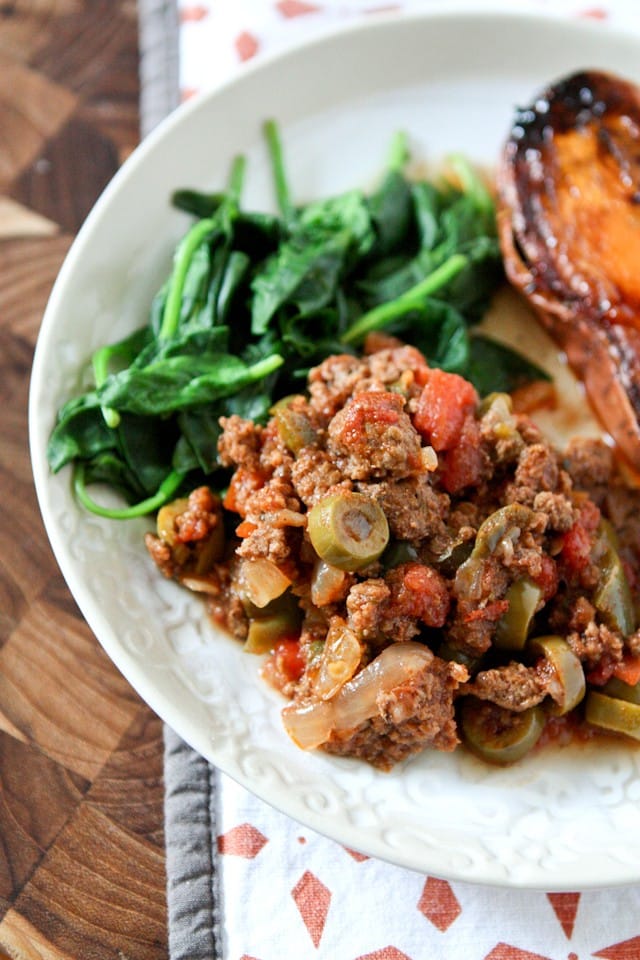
262 581
311 724
340 659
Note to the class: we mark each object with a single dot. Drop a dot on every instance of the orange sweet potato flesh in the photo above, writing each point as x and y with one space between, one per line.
569 225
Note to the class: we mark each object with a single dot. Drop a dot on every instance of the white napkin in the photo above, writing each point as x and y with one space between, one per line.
248 883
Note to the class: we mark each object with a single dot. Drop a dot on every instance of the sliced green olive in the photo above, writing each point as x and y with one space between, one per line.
294 428
506 523
613 598
453 557
281 618
348 530
211 549
447 651
622 691
568 683
513 627
609 713
497 735
166 519
399 551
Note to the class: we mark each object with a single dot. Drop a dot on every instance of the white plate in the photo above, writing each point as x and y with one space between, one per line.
565 819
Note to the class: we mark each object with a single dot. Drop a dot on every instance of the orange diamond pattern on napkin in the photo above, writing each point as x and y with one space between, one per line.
296 8
565 906
625 950
312 899
193 13
247 45
244 840
358 857
387 953
504 951
439 903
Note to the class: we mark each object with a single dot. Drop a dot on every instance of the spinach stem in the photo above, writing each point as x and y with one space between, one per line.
236 180
414 297
184 254
398 152
191 242
100 364
165 491
274 145
472 184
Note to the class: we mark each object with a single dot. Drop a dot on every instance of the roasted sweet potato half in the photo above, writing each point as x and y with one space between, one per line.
569 222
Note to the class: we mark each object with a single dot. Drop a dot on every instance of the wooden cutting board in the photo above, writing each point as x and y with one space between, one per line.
82 870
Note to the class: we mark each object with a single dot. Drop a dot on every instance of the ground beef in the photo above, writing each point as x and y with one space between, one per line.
558 509
274 455
396 607
201 516
413 716
596 642
315 475
439 463
333 381
537 471
589 462
239 442
275 495
513 686
229 612
632 644
414 510
162 555
373 437
364 604
402 366
277 544
622 506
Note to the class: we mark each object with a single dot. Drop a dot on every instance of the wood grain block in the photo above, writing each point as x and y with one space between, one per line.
82 873
60 690
103 886
32 109
128 790
46 187
29 784
28 268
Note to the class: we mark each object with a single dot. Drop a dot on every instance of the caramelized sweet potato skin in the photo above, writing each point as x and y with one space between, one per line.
569 223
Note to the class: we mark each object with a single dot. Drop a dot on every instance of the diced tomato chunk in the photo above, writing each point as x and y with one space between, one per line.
419 591
603 671
628 670
462 465
288 658
374 406
548 577
443 406
577 542
491 612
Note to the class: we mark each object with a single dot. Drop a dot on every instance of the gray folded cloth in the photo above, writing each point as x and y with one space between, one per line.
158 37
193 895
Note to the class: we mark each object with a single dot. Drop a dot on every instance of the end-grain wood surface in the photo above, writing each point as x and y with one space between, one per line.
82 871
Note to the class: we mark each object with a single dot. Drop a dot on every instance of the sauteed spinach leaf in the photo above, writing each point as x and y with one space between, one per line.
255 299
